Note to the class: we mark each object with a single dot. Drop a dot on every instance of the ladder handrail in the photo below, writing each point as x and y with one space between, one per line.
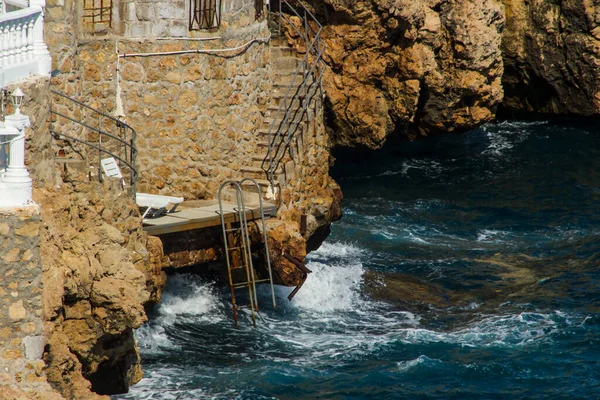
262 217
241 210
314 49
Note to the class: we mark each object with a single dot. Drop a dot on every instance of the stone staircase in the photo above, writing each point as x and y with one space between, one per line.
285 62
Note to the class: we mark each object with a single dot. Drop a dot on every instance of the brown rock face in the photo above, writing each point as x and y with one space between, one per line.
552 56
418 67
98 276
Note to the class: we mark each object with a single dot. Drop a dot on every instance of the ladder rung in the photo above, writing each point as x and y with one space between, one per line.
233 229
240 267
240 285
234 248
262 280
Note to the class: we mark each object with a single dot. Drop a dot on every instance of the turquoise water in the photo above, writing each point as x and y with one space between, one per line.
465 267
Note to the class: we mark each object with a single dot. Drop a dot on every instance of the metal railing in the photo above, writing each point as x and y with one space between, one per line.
294 106
118 143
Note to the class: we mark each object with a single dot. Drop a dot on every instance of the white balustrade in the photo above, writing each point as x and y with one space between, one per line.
23 52
15 182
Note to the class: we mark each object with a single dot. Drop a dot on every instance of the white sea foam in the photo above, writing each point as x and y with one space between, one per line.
432 168
495 331
153 339
405 366
330 287
498 144
491 236
188 297
337 250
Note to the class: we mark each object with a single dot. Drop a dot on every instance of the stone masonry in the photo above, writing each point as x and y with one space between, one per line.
196 110
21 328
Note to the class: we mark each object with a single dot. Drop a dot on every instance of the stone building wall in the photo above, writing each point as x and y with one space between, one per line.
159 18
21 326
195 107
195 114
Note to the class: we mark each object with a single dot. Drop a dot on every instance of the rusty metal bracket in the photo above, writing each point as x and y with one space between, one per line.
300 265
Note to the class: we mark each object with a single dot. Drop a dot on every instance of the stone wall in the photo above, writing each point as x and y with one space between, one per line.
151 18
21 325
164 18
195 114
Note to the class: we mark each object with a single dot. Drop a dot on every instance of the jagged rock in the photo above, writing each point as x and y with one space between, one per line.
284 238
552 57
419 67
98 277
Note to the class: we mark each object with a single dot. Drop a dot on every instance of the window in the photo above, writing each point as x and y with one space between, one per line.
97 15
205 14
259 6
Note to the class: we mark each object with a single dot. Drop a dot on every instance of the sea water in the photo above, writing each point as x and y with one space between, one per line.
465 267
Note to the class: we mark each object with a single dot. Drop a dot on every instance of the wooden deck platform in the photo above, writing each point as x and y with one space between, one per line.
198 214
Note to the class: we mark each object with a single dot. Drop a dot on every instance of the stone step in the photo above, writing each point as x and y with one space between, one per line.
288 63
267 121
253 172
256 172
73 164
287 79
263 183
283 51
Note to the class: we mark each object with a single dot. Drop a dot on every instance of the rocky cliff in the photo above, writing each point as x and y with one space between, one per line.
413 67
428 66
98 276
551 55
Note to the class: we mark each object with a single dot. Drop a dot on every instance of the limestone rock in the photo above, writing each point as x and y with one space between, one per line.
552 57
416 67
98 277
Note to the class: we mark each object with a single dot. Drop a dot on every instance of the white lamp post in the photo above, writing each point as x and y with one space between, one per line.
15 183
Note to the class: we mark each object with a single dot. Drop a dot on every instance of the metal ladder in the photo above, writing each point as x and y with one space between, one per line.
237 246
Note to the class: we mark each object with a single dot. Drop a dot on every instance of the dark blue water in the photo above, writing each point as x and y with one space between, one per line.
465 267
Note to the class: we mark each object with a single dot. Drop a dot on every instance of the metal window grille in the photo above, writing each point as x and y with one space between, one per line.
259 6
205 14
97 14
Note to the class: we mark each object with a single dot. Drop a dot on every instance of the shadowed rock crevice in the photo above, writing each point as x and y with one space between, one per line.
551 53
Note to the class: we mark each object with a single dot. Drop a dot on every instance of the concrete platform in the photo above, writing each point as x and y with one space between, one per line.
198 214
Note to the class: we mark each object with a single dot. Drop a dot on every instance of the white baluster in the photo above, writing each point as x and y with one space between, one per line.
11 43
24 55
2 47
5 43
18 41
30 25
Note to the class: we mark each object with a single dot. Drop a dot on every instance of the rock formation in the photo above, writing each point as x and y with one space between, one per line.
98 276
416 67
552 57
